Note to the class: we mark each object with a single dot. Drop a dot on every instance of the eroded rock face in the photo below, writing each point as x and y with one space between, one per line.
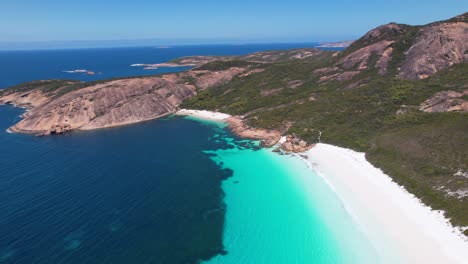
268 137
384 31
108 104
437 47
432 48
446 101
259 57
208 79
276 56
25 99
339 76
111 103
359 59
295 144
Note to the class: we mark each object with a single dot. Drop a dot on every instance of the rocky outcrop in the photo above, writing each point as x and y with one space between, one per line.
258 57
387 31
28 99
437 47
108 104
207 79
359 59
240 128
414 52
295 144
283 55
446 101
339 76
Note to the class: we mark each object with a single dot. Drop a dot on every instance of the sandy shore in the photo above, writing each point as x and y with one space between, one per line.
236 124
397 224
202 114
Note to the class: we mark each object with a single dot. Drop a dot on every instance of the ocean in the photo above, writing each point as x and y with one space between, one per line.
22 66
153 193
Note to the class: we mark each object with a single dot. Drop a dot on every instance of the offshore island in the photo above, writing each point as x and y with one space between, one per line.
399 94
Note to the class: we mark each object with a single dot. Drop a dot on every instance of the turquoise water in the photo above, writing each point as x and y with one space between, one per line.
159 191
279 211
165 191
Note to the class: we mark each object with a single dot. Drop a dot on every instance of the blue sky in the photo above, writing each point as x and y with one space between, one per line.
210 21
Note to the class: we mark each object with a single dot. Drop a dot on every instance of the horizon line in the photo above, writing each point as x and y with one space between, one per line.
125 43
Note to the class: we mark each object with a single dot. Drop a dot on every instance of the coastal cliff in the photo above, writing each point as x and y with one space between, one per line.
73 105
56 106
411 52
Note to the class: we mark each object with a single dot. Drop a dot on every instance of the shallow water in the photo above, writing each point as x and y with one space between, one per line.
153 193
279 211
160 191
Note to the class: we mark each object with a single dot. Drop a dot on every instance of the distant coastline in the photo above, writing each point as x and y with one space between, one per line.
339 44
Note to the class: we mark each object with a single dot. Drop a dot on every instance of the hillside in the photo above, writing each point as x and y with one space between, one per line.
399 93
393 94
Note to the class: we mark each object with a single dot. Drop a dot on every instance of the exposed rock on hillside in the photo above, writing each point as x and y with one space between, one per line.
111 103
206 79
437 47
414 52
105 105
446 101
258 57
268 137
387 31
418 51
295 144
25 100
360 58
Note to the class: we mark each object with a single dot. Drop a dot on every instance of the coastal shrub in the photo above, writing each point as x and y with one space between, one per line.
224 65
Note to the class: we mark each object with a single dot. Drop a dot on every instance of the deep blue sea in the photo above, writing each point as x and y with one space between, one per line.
21 66
173 190
137 194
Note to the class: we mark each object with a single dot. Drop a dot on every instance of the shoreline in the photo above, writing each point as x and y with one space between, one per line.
397 223
236 125
203 114
394 220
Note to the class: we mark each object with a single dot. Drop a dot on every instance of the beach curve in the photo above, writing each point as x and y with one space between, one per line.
395 221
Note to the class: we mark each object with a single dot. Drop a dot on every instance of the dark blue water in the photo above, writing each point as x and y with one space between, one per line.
145 193
21 66
136 194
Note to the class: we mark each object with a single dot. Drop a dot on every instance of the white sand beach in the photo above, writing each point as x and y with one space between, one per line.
203 114
394 221
398 225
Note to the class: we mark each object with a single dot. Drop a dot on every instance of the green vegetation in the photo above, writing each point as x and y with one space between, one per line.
363 119
425 152
57 88
46 86
425 157
224 65
401 45
386 33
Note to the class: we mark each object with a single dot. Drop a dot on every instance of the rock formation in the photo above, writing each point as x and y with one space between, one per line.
437 47
295 144
446 101
416 52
